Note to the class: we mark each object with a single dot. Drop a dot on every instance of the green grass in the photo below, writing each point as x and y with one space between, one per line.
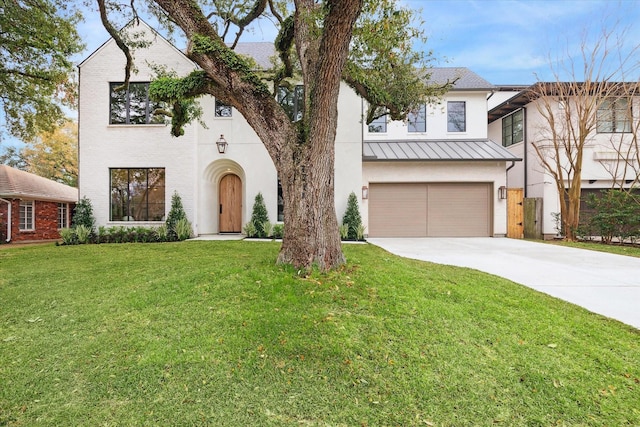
627 250
213 333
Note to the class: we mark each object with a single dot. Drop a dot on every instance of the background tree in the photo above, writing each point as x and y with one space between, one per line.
54 155
12 156
571 106
366 43
37 40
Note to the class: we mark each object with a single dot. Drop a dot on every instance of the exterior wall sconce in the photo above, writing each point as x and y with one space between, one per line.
502 192
365 192
221 143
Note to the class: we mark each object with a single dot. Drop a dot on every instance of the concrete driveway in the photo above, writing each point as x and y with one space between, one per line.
602 283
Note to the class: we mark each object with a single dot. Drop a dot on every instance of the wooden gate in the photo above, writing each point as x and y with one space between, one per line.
533 218
515 213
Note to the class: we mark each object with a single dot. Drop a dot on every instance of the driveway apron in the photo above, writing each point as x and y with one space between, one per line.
603 283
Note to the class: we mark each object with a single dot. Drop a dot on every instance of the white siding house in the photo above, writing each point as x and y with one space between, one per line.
130 167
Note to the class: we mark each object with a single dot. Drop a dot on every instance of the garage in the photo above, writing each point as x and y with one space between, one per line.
430 209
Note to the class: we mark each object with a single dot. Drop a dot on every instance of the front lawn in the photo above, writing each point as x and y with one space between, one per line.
628 250
213 333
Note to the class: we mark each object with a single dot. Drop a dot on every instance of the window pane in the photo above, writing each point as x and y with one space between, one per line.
62 215
137 194
379 125
280 202
417 120
118 105
26 215
137 103
292 101
456 116
222 109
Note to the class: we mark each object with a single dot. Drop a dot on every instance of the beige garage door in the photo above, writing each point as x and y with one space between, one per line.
430 210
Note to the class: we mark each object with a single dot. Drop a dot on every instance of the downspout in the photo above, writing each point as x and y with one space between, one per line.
8 219
526 149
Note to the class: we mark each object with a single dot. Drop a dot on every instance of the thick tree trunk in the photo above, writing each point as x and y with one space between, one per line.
311 234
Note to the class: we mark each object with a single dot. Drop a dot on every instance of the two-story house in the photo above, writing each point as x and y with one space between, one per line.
517 122
435 175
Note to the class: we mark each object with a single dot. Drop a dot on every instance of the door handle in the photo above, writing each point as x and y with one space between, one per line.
220 208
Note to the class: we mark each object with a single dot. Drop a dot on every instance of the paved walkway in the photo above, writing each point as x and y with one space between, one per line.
604 283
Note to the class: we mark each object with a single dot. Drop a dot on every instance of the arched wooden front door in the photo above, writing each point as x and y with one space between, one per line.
230 195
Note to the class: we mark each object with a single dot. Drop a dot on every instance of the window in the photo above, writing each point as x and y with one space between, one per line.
456 116
26 215
132 106
137 194
63 215
417 120
222 109
292 101
614 116
280 202
513 128
379 125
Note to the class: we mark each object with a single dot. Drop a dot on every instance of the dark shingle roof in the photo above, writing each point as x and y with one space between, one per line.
261 52
466 79
460 150
15 183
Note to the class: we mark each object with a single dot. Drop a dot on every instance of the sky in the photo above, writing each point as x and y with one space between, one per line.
505 42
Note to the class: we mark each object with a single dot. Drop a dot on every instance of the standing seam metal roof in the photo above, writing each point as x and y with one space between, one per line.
442 150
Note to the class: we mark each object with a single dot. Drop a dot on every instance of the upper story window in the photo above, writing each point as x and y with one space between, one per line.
379 125
137 194
292 100
417 120
222 109
63 215
513 128
456 116
614 116
26 215
280 202
132 106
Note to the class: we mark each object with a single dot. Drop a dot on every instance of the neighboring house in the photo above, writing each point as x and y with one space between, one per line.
435 175
33 208
518 125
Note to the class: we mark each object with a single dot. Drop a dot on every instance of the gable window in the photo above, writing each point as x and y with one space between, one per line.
379 125
456 116
513 128
63 215
417 120
222 109
280 202
132 106
26 215
292 100
613 116
137 194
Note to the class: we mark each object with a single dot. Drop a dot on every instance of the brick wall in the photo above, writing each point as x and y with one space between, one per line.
45 222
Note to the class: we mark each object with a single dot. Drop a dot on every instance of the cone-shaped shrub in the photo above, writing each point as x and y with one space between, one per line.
352 217
259 215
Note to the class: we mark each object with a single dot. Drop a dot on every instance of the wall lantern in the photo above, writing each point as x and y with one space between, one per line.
502 192
365 192
222 144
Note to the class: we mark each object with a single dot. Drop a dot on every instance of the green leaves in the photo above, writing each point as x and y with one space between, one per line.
37 40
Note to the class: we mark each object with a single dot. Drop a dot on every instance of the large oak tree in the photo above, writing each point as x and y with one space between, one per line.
366 43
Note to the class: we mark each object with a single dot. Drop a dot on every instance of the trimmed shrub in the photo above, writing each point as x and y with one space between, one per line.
616 215
83 234
68 236
267 227
83 215
259 216
176 213
352 217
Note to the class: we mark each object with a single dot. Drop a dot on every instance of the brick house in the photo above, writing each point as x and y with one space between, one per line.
33 208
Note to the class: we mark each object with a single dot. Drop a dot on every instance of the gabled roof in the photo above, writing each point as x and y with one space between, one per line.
261 52
437 150
464 78
17 184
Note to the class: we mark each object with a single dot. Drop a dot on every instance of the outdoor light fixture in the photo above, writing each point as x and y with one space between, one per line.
365 192
222 144
502 192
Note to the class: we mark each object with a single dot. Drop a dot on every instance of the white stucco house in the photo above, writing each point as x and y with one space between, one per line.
438 174
517 123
